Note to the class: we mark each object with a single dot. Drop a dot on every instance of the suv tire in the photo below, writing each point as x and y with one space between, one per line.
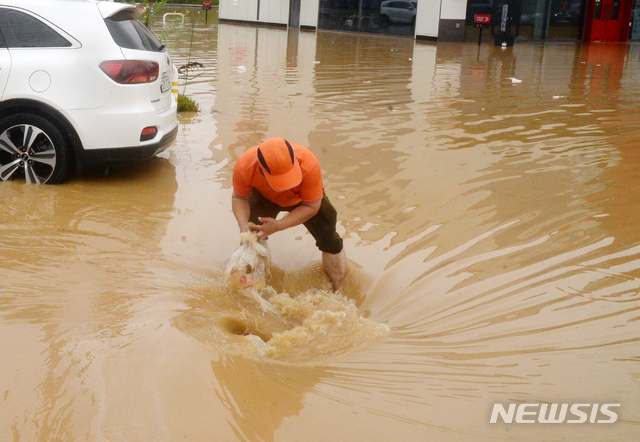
34 148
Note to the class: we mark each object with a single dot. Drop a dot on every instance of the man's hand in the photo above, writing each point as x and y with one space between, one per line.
268 226
299 215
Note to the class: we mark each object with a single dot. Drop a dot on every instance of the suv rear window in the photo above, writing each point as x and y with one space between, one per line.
129 32
21 30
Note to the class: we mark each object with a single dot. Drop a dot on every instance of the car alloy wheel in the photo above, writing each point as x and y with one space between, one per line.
31 148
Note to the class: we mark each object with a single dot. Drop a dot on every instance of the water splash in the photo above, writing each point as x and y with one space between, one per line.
304 327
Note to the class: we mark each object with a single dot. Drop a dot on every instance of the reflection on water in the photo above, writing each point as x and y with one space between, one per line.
489 205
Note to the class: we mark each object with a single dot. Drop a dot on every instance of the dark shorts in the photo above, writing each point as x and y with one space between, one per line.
322 225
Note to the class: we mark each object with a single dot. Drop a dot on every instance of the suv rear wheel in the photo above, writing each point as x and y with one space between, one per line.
32 148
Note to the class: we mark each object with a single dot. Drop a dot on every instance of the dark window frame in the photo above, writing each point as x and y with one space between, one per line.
130 33
40 34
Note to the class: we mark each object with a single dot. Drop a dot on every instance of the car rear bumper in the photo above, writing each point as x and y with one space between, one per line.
135 153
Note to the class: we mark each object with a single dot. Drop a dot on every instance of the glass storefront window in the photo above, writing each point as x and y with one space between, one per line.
392 17
597 15
539 19
635 22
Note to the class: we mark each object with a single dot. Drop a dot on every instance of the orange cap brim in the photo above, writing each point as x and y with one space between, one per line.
285 181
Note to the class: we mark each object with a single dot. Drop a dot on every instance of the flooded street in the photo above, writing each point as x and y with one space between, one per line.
489 203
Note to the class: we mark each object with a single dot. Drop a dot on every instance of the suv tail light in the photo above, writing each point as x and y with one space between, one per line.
131 71
148 133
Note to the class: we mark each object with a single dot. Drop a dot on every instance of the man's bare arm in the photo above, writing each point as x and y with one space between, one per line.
241 210
299 215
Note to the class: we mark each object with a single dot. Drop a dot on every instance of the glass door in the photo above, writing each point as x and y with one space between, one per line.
607 21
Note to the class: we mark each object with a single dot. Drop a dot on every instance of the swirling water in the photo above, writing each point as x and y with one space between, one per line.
488 200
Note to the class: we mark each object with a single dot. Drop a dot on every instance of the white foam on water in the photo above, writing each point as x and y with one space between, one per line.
306 328
326 324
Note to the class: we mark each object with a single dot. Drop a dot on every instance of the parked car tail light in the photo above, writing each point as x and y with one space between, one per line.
131 71
148 133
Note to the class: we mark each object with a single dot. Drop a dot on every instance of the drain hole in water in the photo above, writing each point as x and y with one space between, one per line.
239 327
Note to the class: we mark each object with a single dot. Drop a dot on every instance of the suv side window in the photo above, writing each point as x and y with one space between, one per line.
22 30
129 32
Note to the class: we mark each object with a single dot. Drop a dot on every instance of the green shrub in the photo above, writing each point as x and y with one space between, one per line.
146 3
186 104
189 2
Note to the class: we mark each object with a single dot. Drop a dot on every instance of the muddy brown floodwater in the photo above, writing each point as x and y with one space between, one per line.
489 201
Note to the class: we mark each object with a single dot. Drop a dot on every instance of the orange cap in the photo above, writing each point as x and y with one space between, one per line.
278 162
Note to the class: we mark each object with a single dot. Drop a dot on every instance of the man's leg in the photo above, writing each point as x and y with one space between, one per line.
323 228
336 267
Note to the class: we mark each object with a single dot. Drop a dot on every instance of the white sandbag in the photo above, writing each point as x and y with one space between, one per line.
248 265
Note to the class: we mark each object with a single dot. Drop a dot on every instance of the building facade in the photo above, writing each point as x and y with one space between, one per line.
449 20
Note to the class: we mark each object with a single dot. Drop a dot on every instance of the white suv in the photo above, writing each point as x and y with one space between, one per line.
81 82
397 11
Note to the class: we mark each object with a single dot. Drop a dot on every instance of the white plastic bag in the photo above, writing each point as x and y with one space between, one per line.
248 265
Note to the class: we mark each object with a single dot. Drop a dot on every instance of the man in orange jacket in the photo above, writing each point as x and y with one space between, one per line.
276 176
